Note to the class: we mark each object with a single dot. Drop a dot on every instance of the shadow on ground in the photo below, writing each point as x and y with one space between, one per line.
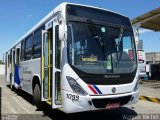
48 113
119 114
23 94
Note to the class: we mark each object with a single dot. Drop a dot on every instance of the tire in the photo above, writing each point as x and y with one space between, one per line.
37 97
11 86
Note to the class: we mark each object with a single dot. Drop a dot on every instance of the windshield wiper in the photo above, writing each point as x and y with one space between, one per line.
99 40
94 32
119 54
120 36
97 37
118 41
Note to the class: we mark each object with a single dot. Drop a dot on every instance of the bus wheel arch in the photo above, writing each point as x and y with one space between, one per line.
36 92
35 80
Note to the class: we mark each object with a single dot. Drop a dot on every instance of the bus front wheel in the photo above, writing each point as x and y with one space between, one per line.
37 96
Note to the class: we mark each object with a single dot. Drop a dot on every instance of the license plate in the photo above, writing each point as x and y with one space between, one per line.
112 106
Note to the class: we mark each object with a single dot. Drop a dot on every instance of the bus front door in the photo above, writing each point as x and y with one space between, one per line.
50 69
46 67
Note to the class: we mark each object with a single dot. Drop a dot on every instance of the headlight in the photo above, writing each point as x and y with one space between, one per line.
75 86
136 86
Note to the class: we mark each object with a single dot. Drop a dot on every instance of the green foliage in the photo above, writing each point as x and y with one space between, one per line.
1 62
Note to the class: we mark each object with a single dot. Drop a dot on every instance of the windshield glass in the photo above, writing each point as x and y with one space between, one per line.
100 49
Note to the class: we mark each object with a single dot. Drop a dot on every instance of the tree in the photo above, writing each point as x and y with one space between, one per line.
1 62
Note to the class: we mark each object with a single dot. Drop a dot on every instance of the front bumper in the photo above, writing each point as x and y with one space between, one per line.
92 103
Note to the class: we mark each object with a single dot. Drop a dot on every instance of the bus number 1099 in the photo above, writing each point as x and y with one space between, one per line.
73 97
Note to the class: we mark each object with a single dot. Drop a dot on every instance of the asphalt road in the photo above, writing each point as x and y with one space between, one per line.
150 88
17 105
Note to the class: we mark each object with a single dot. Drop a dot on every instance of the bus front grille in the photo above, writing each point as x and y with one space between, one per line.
102 103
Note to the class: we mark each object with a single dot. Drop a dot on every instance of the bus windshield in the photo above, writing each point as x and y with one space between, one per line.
100 49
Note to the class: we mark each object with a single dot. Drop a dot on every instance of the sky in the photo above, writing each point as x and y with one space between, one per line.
19 16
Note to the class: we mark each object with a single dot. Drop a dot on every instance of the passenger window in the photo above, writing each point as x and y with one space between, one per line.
37 43
17 55
22 50
28 48
10 57
13 56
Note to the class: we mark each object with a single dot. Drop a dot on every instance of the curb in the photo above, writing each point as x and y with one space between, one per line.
150 99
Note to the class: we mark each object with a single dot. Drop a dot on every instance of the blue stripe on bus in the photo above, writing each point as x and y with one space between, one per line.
97 89
16 74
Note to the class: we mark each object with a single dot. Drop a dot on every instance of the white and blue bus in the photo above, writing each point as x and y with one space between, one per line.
78 58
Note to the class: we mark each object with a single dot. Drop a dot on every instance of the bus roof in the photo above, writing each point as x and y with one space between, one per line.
50 15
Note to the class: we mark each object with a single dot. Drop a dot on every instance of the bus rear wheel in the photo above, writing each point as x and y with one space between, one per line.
37 97
11 86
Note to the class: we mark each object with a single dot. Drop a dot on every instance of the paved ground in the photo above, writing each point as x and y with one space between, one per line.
18 105
150 88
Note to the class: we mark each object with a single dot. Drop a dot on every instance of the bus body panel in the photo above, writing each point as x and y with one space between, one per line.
27 71
83 103
105 89
86 103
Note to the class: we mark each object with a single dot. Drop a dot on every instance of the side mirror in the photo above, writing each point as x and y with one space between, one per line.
62 32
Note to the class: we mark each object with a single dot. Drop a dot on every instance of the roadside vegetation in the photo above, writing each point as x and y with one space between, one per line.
1 62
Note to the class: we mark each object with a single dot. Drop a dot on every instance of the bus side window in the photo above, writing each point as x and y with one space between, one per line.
17 55
22 50
14 57
28 47
37 42
10 58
